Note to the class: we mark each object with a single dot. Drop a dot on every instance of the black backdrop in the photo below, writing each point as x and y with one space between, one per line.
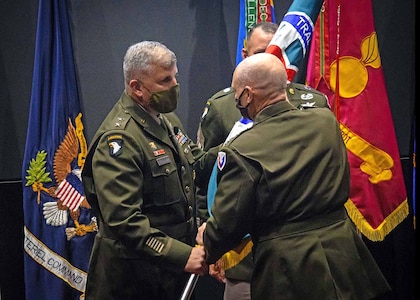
203 34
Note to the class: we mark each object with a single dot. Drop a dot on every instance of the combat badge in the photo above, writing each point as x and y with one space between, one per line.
307 96
115 144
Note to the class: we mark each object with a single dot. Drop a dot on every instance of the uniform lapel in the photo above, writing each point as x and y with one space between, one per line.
170 132
145 120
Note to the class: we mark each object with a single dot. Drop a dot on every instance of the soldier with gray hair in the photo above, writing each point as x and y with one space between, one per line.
139 180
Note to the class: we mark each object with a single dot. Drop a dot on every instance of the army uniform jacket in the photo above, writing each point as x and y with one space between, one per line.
285 181
220 112
139 183
219 116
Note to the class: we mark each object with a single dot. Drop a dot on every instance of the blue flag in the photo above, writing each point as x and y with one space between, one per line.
252 12
58 226
292 39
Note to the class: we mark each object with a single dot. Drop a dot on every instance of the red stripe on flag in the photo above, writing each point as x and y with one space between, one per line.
275 50
69 195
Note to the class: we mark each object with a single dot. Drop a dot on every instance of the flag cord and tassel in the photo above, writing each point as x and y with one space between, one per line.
337 85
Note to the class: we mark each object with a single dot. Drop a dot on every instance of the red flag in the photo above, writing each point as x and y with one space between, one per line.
345 43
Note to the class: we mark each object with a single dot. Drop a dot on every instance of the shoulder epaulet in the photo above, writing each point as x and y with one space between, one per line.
304 88
120 121
303 96
219 95
222 93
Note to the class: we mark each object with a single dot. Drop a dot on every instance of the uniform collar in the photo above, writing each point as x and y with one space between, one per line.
274 109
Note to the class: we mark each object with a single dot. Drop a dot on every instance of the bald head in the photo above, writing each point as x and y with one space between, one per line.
261 69
259 81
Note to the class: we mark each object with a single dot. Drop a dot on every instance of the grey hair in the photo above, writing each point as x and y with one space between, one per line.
141 58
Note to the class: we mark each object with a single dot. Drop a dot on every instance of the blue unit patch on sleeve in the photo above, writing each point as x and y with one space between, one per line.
221 160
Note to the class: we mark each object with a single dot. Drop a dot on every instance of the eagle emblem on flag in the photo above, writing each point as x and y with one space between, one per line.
67 167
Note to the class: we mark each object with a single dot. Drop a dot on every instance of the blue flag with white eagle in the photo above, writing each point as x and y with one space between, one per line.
58 225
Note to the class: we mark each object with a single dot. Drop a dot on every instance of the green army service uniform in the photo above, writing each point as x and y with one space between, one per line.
285 181
220 112
219 116
140 185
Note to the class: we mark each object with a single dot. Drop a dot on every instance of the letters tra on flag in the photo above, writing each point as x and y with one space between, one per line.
345 64
252 12
58 225
292 39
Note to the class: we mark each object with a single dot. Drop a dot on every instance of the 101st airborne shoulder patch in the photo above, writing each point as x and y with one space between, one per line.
115 144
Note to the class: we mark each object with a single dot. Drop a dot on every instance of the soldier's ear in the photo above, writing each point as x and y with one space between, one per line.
135 84
244 53
136 87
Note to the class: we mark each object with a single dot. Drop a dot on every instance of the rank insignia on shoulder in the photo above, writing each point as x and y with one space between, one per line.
115 144
221 160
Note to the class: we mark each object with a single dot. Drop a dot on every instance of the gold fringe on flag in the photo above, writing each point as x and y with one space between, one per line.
388 224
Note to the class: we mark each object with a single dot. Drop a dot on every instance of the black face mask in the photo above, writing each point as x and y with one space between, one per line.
242 109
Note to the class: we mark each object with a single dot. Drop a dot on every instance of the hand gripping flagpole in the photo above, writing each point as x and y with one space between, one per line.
189 287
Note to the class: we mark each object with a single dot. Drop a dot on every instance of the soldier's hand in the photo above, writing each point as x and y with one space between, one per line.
200 232
197 261
217 272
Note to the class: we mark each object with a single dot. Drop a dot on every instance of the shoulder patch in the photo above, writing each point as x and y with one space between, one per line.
206 110
115 144
221 160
